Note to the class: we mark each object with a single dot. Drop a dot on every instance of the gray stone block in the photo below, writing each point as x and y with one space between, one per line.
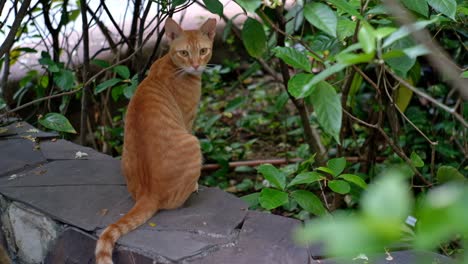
77 247
33 233
16 155
263 239
62 150
68 173
395 257
77 205
22 129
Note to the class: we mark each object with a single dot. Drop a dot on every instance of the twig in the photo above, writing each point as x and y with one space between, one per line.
402 155
369 80
9 40
88 82
283 32
405 117
84 97
429 98
437 57
359 120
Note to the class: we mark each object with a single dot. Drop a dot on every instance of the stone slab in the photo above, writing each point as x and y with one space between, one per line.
18 154
263 239
62 150
77 247
77 205
33 232
172 245
68 173
22 129
396 257
210 211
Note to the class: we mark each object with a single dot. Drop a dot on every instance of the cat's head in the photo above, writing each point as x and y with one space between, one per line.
190 50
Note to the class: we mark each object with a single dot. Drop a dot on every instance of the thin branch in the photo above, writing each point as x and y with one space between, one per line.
88 82
437 57
84 97
9 40
405 117
369 80
402 155
429 98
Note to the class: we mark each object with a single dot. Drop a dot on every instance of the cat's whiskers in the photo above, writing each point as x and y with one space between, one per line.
179 71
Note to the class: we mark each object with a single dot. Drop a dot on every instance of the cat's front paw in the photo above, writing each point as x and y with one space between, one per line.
196 187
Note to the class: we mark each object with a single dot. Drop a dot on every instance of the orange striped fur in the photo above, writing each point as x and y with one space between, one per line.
161 158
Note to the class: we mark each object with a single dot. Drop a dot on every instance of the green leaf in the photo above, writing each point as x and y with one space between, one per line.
406 30
416 160
100 63
299 85
271 198
339 186
276 177
464 75
117 91
446 7
251 199
337 165
325 169
322 17
366 37
345 28
64 79
57 122
345 6
129 91
73 15
387 202
448 174
2 103
254 38
309 201
304 84
327 73
354 179
293 57
122 71
176 3
383 32
351 58
249 5
214 6
404 95
418 6
327 106
306 178
401 65
235 103
104 85
416 51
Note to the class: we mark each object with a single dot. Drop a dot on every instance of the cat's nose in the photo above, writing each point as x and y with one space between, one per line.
195 66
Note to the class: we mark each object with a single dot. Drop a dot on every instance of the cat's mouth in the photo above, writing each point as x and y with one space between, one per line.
193 71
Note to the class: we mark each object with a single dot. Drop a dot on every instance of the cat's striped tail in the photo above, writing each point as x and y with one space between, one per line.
141 212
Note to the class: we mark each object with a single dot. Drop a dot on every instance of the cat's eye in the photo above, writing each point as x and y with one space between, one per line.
203 51
183 53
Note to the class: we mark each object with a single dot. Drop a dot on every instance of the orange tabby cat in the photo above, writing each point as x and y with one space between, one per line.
161 159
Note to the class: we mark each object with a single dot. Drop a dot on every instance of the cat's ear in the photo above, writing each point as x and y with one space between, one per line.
209 28
173 30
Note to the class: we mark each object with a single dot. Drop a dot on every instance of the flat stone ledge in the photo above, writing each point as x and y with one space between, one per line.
48 190
65 150
17 155
22 129
263 239
395 257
